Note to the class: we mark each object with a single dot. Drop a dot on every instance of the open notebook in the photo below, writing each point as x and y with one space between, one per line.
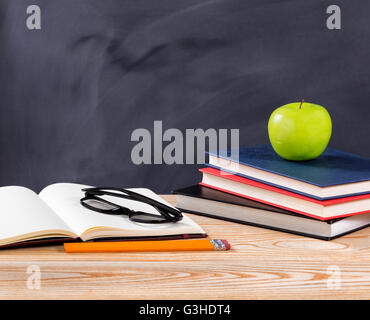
56 213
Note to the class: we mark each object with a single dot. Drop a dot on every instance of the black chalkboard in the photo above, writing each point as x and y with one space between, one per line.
73 92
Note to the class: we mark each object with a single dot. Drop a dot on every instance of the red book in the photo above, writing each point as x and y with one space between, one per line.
322 210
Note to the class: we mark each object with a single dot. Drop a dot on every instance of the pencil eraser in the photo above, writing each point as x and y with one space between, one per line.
227 244
221 245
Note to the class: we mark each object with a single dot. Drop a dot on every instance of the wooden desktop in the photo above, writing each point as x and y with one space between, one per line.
262 264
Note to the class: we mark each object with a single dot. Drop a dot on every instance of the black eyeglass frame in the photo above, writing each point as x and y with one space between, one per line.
168 214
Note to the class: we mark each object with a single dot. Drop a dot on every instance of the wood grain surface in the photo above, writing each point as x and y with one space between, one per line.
262 264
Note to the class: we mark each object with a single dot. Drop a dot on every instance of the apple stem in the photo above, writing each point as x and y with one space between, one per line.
300 106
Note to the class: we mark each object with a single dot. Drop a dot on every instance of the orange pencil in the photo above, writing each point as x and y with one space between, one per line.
148 246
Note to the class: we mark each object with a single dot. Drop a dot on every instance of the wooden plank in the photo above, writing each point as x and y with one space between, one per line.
262 264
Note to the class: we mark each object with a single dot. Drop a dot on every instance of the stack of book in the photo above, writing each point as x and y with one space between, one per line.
323 198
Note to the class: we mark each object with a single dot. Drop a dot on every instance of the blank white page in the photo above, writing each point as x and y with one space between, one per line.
23 212
64 199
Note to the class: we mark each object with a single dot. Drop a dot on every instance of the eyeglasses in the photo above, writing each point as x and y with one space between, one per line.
93 201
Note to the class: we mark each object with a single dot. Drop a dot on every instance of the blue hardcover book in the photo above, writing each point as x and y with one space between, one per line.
334 174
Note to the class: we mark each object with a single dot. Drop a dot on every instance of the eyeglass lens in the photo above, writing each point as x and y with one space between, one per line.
110 208
97 204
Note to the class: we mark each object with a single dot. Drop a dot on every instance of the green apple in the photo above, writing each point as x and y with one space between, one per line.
299 131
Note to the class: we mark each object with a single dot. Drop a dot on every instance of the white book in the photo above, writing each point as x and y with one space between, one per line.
56 212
